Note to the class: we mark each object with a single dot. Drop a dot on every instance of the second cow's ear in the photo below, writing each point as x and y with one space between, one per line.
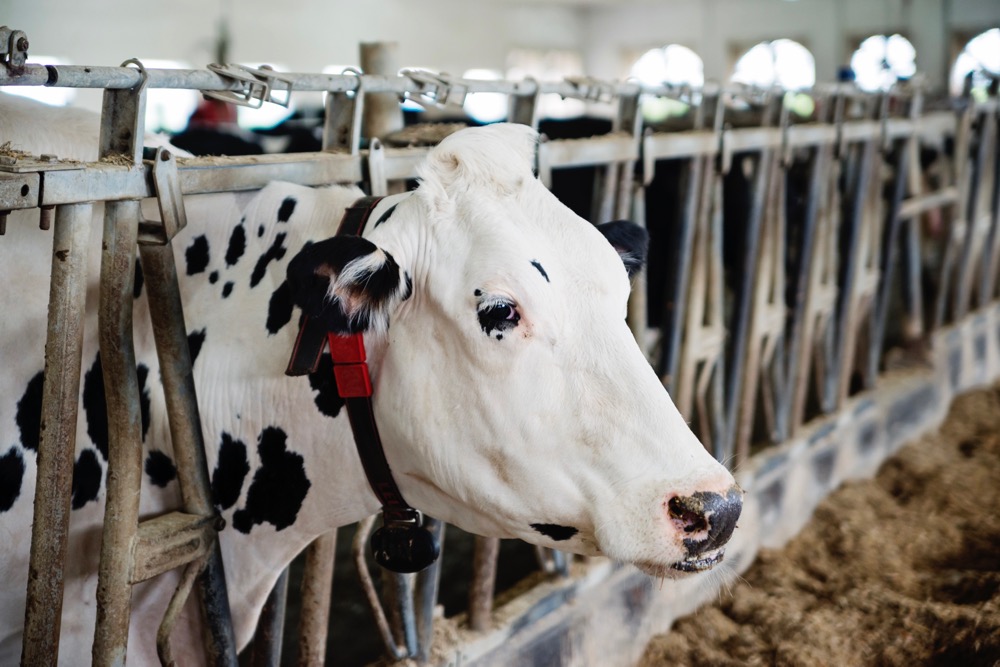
630 240
348 283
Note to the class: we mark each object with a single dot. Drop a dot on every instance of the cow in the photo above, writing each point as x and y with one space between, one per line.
511 398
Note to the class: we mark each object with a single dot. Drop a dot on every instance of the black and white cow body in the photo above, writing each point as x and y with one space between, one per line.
510 396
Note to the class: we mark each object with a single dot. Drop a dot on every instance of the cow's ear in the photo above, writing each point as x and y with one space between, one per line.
348 283
498 157
630 241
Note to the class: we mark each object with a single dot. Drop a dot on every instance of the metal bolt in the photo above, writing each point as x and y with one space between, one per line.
45 218
22 44
8 160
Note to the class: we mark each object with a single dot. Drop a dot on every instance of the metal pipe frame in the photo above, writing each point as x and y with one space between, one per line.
763 346
57 444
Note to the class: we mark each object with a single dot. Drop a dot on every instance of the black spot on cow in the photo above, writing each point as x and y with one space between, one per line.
328 401
227 289
260 231
11 477
278 488
195 340
139 280
555 531
279 310
213 277
535 263
237 244
230 472
197 255
160 468
275 252
29 412
142 374
385 216
286 209
95 406
86 478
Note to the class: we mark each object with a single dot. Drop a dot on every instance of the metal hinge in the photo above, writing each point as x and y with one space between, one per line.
13 49
437 88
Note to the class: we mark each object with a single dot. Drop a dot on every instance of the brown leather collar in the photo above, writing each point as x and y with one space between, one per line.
402 544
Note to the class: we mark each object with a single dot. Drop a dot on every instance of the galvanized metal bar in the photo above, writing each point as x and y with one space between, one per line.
676 301
170 541
481 590
266 648
359 547
426 586
969 261
740 329
57 444
956 225
990 187
121 127
121 514
890 250
317 589
173 353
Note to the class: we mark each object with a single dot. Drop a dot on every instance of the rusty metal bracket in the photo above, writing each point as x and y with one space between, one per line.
13 49
169 198
437 88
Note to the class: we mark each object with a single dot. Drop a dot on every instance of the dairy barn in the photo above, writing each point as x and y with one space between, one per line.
500 333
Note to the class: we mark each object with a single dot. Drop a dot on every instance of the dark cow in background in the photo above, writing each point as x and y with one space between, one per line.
511 398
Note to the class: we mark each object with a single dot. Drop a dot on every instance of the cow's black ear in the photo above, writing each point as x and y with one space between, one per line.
348 283
630 240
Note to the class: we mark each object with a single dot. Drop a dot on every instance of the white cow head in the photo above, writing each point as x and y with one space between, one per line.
510 395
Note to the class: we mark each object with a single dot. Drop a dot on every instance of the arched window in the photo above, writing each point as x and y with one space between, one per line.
672 65
979 61
781 62
882 60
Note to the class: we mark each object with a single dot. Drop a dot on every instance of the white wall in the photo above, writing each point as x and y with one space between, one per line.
454 35
714 28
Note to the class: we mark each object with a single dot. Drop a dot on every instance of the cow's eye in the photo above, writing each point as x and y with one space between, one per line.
497 317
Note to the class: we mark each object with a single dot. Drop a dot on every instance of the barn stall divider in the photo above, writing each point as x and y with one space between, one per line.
819 289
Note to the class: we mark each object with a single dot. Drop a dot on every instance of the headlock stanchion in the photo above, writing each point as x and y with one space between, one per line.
794 241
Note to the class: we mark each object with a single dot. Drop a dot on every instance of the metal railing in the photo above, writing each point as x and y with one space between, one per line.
772 312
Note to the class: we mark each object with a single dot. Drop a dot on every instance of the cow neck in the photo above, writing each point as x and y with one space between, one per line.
402 544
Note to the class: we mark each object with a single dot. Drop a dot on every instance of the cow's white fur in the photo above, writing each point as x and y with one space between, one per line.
561 422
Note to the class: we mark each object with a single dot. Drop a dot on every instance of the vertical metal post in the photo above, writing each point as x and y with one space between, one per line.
121 133
57 444
169 331
266 650
426 593
121 514
481 590
317 586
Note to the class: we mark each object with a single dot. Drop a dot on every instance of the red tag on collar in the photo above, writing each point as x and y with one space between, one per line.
350 367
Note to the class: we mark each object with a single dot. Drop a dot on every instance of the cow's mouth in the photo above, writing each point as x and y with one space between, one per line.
699 564
689 565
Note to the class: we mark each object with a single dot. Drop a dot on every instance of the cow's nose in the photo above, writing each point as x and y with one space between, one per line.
706 519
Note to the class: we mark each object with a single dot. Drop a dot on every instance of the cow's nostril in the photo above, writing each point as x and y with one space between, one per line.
689 512
711 514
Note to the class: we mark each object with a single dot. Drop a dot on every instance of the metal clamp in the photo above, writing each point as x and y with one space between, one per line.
258 86
169 198
437 88
592 90
13 49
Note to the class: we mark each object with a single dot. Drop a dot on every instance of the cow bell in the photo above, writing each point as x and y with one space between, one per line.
404 547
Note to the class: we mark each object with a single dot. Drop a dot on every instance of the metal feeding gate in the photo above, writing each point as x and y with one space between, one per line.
791 259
